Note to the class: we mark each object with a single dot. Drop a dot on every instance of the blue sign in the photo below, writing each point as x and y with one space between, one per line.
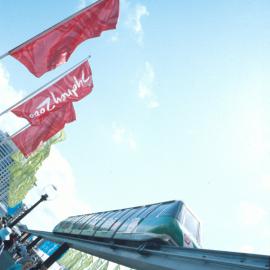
13 210
48 247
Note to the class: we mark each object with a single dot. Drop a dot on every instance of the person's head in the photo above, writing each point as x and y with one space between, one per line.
26 262
28 265
39 266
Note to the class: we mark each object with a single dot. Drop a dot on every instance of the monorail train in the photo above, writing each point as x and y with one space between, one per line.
170 223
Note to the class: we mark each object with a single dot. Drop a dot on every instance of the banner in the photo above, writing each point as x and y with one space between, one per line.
31 138
72 87
22 171
54 46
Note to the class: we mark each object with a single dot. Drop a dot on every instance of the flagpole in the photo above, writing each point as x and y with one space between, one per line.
4 55
45 85
47 30
20 130
8 138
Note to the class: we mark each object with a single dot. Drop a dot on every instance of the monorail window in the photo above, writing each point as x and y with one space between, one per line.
148 210
91 225
131 222
190 223
166 209
111 220
103 219
66 224
99 218
77 223
123 218
83 222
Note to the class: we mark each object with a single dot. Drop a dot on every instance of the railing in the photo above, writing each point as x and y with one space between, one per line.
154 257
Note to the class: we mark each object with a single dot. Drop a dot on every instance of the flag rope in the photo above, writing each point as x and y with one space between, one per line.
43 86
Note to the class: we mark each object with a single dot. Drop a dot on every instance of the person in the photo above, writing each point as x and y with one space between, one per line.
39 266
5 233
12 240
21 250
4 236
2 245
23 264
4 221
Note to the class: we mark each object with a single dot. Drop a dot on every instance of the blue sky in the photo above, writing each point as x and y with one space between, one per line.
180 110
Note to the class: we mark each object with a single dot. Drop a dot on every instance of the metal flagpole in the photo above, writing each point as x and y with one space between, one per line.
45 85
47 30
4 55
14 134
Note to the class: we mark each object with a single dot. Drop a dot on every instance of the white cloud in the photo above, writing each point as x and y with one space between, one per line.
8 97
131 142
123 136
134 21
55 170
251 214
265 182
146 83
247 249
82 4
115 38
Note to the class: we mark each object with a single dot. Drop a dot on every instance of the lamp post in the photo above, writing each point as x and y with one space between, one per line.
49 193
44 197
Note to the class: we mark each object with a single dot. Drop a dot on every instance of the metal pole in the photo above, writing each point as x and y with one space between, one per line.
19 218
8 139
50 28
47 30
3 56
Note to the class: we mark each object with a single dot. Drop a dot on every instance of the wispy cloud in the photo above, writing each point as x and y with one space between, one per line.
251 214
253 217
247 249
122 136
82 4
134 22
146 84
265 182
114 38
55 170
8 97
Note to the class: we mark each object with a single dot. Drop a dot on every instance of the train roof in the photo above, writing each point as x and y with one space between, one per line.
178 202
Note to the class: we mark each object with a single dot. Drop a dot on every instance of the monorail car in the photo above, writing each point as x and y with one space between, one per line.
170 223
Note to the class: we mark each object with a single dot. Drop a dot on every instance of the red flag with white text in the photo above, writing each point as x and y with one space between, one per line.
72 87
32 137
54 46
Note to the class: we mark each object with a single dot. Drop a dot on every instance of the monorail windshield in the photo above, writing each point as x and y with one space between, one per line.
190 223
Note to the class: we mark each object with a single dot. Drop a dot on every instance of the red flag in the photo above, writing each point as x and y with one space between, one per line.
73 87
29 139
54 46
